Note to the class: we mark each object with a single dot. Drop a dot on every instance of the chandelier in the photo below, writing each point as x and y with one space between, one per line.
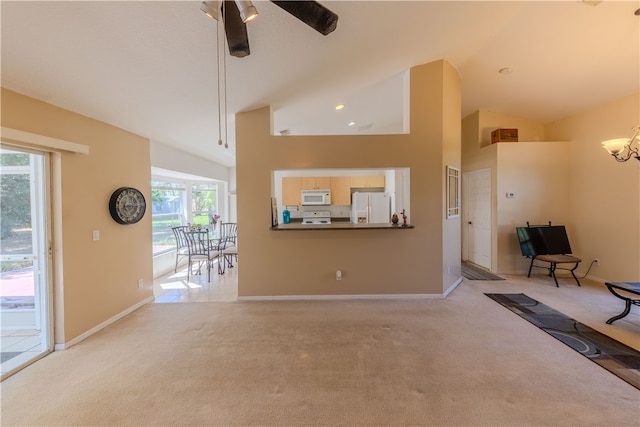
622 149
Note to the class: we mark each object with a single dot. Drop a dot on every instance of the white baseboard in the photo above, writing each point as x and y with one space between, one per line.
452 287
76 340
338 297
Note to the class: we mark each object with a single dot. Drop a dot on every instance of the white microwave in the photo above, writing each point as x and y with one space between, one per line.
316 197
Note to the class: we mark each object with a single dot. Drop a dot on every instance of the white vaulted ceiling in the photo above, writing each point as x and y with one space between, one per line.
150 67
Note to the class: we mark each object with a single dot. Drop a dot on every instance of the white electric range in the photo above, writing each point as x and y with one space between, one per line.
316 217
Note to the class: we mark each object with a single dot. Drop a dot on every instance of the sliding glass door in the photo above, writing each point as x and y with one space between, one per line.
24 259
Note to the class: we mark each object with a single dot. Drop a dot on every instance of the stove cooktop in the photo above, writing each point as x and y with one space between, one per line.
316 217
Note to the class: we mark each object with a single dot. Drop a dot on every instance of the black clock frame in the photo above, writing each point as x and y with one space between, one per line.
121 211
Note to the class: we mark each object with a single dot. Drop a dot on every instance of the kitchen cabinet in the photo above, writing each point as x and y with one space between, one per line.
340 187
340 190
367 181
291 191
316 182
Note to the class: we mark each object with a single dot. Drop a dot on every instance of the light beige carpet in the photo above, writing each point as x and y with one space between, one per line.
461 361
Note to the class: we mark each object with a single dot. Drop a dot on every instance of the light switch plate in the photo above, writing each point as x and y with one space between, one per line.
96 235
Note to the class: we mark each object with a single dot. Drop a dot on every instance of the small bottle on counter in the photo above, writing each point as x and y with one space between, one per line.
286 216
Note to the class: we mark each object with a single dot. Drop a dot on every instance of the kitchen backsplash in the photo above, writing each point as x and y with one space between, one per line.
337 211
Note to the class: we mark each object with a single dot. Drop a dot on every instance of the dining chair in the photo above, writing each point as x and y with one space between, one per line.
229 232
201 252
228 253
229 243
182 249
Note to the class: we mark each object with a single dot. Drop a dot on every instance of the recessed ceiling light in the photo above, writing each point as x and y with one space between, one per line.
505 70
339 107
352 123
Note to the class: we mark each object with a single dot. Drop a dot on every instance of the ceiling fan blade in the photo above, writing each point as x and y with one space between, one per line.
235 29
311 13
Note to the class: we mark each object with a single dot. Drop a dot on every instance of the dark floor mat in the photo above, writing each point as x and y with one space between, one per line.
612 355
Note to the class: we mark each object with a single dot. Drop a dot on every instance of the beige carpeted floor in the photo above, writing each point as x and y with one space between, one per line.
461 361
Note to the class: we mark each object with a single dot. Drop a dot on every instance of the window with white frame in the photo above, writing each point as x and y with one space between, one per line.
175 203
203 203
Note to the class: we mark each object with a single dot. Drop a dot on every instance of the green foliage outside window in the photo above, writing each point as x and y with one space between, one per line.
169 209
14 195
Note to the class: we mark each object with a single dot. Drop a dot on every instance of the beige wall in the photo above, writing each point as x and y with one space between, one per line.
451 156
99 278
165 157
575 183
605 194
528 130
478 156
406 261
537 172
538 175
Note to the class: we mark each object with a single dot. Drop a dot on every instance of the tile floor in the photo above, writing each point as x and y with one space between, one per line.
26 343
174 287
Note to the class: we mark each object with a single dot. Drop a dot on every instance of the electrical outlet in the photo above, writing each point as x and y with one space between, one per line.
140 283
596 261
338 275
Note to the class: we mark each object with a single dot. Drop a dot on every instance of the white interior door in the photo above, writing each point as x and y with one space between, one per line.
478 208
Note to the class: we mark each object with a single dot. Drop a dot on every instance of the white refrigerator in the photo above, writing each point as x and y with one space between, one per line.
370 208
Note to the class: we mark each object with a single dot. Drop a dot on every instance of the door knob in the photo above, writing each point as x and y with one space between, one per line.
470 223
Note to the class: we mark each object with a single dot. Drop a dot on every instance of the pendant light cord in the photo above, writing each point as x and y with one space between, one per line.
226 124
218 78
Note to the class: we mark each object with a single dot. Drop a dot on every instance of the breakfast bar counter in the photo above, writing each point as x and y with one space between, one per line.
338 225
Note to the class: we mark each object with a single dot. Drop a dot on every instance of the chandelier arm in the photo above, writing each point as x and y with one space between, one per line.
634 137
633 151
628 150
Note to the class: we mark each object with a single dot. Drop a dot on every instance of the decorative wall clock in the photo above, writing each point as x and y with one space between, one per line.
127 205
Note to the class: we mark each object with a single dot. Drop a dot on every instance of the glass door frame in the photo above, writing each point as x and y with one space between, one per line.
39 171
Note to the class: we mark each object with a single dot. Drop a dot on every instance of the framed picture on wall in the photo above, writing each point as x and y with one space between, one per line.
274 212
453 192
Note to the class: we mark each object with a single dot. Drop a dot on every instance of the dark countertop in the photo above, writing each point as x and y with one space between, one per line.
337 225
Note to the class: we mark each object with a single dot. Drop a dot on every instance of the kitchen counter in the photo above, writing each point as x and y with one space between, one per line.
337 225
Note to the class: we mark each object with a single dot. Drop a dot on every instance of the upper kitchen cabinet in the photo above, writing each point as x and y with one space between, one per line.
367 181
316 182
340 190
291 191
340 182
